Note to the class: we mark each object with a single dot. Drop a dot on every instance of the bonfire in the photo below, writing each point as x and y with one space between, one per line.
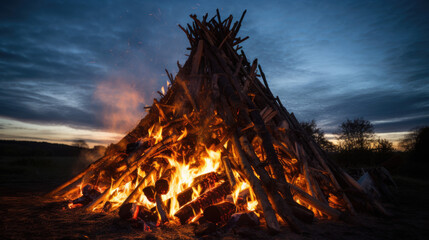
217 146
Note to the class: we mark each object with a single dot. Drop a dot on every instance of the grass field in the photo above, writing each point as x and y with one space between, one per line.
36 173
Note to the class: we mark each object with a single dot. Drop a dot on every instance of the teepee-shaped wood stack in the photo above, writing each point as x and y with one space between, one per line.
218 103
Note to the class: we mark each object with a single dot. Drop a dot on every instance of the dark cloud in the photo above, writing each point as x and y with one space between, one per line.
327 60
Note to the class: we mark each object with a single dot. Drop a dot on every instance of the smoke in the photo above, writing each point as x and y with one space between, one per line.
87 156
122 104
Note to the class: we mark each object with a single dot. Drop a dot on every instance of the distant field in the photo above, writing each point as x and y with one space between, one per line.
36 173
34 166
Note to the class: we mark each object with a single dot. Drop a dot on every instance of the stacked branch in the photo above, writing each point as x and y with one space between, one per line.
219 97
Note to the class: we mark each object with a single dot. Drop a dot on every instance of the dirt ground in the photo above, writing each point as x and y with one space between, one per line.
25 214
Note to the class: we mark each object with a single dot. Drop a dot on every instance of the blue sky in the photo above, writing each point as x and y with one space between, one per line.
66 65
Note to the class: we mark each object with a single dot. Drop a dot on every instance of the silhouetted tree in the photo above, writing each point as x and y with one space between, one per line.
409 141
417 142
318 135
383 146
356 134
80 143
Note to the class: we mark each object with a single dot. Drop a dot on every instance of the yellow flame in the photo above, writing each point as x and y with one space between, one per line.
158 136
184 171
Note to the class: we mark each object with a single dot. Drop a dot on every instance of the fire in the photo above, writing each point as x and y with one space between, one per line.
213 139
185 174
182 173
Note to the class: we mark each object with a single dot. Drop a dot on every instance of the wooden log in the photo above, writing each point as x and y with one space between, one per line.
255 117
197 58
160 208
332 176
220 212
187 93
162 186
203 182
255 184
244 219
212 196
308 199
305 170
133 211
227 166
88 195
137 191
147 153
149 193
280 205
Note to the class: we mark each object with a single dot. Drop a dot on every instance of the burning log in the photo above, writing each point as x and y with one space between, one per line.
134 211
203 182
146 154
149 192
254 182
137 191
88 195
161 188
247 219
227 166
220 212
208 198
107 206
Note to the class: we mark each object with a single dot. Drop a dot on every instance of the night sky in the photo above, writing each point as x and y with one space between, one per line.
85 69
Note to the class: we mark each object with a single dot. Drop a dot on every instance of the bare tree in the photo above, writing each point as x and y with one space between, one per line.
410 140
417 142
383 146
356 134
318 135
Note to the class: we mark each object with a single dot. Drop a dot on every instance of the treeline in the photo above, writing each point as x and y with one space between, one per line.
27 148
357 146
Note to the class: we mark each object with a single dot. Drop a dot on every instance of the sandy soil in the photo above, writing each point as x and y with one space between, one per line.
27 215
